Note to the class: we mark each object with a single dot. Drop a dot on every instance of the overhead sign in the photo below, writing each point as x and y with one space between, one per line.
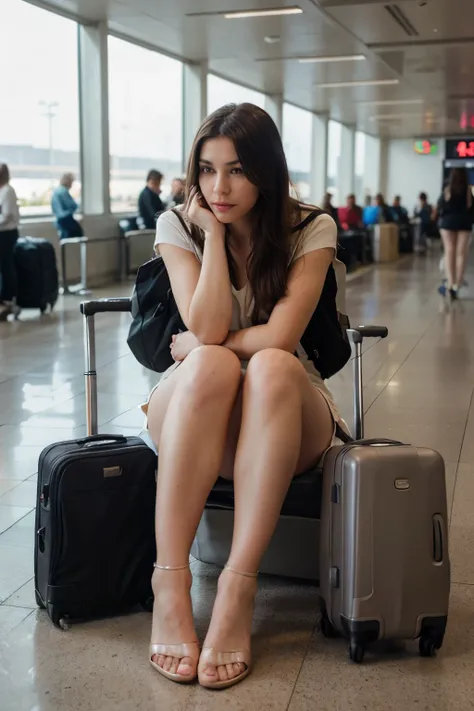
426 147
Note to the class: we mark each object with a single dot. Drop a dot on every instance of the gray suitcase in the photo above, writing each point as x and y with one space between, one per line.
385 571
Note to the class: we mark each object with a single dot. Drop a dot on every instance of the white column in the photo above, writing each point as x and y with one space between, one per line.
382 184
347 164
94 118
319 158
274 107
194 103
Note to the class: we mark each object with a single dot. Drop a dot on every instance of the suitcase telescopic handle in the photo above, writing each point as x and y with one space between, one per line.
89 309
99 306
357 335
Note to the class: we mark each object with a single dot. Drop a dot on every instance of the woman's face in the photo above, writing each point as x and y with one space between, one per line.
223 184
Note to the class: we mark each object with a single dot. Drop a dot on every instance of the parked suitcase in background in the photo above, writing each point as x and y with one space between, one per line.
385 242
385 570
35 262
95 543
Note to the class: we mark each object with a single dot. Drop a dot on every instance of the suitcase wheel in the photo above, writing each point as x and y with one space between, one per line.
327 628
39 601
429 645
356 653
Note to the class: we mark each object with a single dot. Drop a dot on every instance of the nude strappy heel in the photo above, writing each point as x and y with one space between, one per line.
213 657
178 651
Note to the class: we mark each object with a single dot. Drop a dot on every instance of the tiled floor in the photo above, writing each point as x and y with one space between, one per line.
419 386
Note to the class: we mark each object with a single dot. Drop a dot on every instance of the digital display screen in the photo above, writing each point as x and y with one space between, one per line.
459 148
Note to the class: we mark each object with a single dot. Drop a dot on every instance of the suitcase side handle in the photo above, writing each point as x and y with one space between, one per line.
100 438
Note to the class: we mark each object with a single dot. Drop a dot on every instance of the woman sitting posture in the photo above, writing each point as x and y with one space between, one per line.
237 402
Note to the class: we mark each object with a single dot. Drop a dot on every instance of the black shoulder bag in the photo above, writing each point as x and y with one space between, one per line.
156 319
325 339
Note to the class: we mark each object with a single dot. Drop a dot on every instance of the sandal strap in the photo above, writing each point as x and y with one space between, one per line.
170 567
240 572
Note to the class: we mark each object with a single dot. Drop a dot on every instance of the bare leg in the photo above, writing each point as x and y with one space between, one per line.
461 256
286 427
450 242
188 419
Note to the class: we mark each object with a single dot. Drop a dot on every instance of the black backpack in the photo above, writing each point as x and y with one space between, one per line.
156 319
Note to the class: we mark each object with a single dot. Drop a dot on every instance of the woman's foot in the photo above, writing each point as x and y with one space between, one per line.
174 648
228 637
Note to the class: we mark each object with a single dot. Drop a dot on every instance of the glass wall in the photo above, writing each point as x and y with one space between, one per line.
334 161
367 166
221 92
39 105
145 120
298 145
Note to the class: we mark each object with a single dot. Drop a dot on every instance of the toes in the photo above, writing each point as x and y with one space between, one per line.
211 672
239 668
167 664
186 666
174 665
159 659
222 673
230 671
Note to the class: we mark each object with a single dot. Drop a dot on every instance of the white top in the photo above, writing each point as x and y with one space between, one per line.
320 233
9 212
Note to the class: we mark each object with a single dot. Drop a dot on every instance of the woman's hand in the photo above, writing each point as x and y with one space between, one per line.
200 215
183 344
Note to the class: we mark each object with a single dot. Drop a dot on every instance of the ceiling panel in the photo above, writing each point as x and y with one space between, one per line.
237 49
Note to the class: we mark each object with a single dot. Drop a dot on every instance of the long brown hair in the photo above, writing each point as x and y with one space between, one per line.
458 182
4 174
260 150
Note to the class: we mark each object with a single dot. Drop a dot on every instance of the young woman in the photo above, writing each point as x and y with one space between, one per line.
456 217
237 402
9 222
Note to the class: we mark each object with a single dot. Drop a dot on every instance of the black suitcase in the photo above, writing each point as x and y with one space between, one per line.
95 543
35 263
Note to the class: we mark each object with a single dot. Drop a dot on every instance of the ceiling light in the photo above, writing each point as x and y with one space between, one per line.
392 102
269 12
334 58
384 117
365 82
272 39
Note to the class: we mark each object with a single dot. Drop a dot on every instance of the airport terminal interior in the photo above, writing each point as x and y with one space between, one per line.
374 101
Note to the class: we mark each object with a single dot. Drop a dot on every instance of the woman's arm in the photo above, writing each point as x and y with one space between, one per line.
202 291
291 314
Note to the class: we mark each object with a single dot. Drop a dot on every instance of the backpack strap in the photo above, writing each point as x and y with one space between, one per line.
181 219
307 220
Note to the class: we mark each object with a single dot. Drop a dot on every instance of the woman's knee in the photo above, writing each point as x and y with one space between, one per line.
273 372
210 371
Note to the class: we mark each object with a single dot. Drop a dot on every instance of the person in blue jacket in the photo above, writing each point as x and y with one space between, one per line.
64 206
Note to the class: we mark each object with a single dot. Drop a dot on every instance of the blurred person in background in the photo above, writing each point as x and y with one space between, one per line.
370 212
455 211
177 192
9 223
350 216
400 213
329 208
63 207
149 201
424 212
384 212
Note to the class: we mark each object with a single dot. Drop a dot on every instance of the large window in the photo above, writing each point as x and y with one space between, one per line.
334 161
298 144
39 104
367 166
221 92
145 120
